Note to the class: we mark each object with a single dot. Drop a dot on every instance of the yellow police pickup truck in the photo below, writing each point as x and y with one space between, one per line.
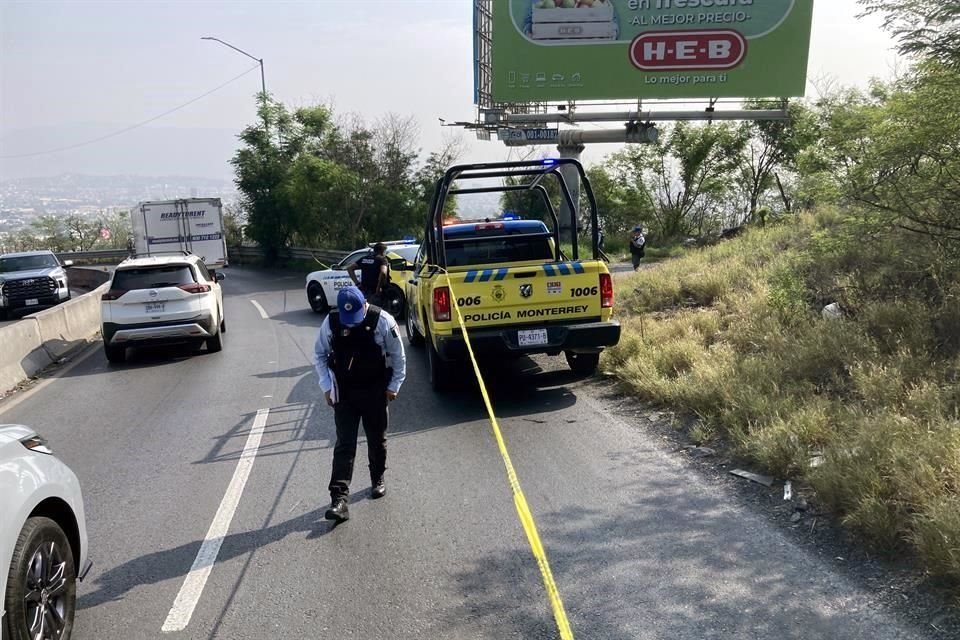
517 291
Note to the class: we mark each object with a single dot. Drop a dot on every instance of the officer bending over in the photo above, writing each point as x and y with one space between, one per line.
358 382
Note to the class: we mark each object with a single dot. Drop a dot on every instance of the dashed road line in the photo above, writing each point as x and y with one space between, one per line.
263 314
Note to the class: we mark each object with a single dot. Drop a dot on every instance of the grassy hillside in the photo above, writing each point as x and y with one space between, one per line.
865 407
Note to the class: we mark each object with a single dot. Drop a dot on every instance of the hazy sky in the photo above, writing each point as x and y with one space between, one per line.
79 64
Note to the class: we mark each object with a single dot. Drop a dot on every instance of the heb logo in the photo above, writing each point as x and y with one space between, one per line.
687 50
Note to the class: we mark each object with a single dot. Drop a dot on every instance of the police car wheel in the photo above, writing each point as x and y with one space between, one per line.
316 298
393 301
584 364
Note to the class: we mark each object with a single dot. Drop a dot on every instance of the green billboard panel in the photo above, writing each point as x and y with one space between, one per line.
558 50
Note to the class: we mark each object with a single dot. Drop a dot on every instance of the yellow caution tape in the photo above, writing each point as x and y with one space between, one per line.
519 501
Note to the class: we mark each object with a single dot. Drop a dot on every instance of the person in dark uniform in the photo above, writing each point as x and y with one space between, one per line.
360 366
374 273
637 245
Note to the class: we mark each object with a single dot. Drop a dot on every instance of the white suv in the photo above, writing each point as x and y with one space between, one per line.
162 300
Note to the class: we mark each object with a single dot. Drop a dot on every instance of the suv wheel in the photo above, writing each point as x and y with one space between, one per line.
115 353
215 342
41 595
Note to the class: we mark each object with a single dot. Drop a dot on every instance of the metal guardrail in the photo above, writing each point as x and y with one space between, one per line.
237 254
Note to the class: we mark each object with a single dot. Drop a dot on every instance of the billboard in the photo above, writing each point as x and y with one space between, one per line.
559 50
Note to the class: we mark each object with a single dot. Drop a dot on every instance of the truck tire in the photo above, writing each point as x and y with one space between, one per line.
584 364
42 559
413 336
116 354
317 298
438 370
3 315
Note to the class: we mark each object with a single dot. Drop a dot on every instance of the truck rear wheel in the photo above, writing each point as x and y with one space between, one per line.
413 335
584 364
438 369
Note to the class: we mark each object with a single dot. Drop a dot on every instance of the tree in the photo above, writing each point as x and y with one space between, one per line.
929 29
83 233
51 233
684 180
773 146
433 169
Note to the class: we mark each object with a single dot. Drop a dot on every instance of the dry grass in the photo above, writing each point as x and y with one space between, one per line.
733 334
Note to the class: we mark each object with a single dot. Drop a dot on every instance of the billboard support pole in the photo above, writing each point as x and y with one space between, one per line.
570 149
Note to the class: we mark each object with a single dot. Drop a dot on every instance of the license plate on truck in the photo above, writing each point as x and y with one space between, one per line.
155 307
532 337
32 302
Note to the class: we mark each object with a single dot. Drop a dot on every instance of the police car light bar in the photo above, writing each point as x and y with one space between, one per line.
549 162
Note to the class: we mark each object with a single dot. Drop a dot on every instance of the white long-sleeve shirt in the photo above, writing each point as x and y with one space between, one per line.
386 335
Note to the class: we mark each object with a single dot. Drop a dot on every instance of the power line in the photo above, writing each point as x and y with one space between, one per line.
134 126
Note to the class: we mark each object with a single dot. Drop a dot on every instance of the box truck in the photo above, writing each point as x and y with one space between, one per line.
194 225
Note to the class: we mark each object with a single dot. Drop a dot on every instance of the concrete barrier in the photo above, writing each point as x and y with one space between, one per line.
21 353
41 339
88 278
68 325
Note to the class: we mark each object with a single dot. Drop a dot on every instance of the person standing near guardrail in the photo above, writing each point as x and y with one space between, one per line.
374 273
361 366
637 245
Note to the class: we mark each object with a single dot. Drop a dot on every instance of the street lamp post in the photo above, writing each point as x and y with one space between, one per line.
263 81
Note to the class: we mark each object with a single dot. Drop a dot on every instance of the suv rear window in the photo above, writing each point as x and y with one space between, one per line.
168 275
461 253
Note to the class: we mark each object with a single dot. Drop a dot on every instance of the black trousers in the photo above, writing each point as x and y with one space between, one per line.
371 409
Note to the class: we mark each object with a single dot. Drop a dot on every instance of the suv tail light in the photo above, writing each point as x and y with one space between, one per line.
441 304
195 287
113 294
606 290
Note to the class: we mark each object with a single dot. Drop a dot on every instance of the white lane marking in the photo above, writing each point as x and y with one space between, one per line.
17 398
263 314
193 584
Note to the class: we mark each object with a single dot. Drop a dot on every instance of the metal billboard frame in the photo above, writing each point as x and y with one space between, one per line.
636 116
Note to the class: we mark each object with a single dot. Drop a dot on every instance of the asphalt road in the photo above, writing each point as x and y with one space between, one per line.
637 547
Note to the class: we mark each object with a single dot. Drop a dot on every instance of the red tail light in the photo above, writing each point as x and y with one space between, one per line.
113 294
441 304
606 290
195 288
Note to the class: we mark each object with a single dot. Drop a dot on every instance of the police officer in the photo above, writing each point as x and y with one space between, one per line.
374 273
352 351
637 245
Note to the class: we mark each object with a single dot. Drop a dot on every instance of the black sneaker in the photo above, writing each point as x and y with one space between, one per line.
338 511
378 488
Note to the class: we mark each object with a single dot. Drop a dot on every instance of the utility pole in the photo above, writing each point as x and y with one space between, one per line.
263 81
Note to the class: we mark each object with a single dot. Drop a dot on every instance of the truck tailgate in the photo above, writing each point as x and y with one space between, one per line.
535 294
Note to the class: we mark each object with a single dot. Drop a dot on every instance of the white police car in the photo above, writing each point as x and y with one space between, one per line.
322 286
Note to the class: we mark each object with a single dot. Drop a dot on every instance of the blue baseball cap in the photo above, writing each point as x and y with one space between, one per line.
351 305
